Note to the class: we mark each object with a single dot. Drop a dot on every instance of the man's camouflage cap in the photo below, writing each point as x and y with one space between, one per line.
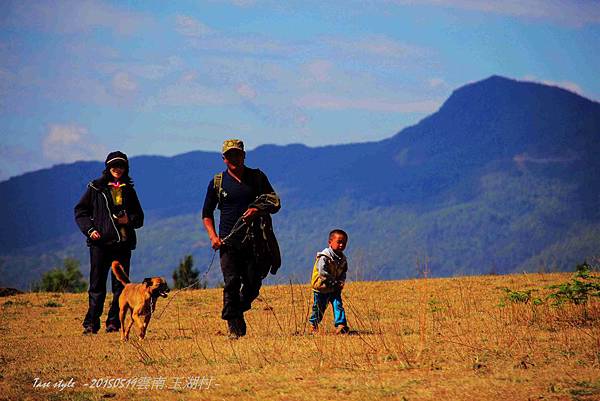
229 144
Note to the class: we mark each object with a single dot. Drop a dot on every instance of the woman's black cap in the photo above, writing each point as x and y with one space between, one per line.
116 158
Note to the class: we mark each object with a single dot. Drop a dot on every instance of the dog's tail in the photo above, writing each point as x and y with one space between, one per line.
120 274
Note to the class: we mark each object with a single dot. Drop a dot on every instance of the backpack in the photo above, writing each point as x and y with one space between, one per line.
218 187
221 193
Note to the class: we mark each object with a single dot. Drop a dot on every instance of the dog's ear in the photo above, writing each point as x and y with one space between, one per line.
147 281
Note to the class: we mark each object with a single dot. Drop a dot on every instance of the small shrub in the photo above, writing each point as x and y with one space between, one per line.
521 297
66 279
16 303
578 291
582 286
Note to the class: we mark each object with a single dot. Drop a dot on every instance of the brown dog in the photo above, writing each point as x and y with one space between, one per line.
140 299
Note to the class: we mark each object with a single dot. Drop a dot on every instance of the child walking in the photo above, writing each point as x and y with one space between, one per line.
328 278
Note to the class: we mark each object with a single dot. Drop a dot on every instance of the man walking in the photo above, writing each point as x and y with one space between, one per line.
246 199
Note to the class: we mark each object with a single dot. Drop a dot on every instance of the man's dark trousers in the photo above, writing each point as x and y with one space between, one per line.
242 282
101 258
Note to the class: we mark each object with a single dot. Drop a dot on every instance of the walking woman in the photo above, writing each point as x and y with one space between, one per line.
108 214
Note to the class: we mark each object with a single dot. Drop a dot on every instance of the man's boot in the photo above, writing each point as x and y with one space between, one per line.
237 328
241 323
233 329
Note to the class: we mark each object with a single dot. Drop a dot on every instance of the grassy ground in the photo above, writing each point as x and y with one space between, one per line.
442 339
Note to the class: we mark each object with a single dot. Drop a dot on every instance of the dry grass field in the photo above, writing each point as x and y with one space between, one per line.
425 339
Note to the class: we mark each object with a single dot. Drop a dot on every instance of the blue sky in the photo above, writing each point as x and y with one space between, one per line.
81 78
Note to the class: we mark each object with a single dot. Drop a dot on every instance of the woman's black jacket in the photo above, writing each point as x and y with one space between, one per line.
95 210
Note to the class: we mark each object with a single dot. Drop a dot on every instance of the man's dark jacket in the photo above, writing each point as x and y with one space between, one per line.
261 236
257 236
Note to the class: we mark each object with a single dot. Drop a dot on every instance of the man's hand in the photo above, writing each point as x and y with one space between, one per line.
248 214
95 235
215 242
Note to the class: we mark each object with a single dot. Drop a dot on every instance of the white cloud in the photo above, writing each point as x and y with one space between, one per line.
69 143
189 26
320 70
571 86
189 76
81 89
331 102
81 51
73 16
377 48
572 12
246 45
437 83
7 81
568 85
291 88
122 83
568 157
285 70
264 74
372 47
191 94
16 160
243 3
151 71
246 91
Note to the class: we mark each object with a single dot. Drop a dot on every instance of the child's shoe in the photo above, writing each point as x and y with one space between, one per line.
342 329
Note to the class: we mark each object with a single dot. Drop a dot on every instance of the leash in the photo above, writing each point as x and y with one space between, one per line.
236 227
195 283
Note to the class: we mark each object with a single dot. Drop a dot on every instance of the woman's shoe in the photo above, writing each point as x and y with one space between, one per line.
89 330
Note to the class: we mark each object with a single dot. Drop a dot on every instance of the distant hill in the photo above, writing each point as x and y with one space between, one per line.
504 177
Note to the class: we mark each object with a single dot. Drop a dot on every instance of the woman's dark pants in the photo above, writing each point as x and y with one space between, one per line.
101 258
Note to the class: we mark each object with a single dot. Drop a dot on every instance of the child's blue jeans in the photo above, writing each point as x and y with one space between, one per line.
320 304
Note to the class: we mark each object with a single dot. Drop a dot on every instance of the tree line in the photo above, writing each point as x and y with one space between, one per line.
69 278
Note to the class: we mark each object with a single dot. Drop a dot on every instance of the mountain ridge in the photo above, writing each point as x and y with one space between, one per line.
502 161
